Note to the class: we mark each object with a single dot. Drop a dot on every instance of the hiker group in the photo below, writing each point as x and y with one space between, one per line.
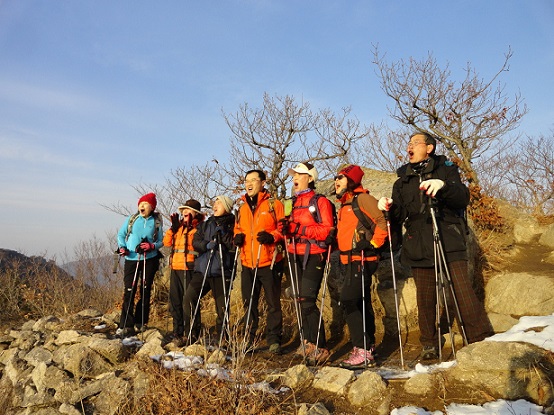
274 242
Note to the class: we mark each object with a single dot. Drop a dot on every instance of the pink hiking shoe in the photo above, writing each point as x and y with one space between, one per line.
306 349
359 359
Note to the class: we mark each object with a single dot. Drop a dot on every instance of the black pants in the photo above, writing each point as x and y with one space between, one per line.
178 282
309 282
270 280
198 288
352 302
137 275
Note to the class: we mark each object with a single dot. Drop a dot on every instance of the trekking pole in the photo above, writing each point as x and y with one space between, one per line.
131 299
446 273
395 289
246 327
220 251
325 275
228 298
295 299
142 328
362 270
200 295
437 299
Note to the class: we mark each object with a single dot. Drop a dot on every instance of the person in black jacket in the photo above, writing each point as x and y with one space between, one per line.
213 241
431 179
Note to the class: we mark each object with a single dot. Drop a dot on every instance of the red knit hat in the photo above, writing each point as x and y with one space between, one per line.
353 172
150 198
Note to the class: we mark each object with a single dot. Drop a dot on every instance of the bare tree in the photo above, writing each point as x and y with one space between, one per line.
283 132
469 117
383 149
529 173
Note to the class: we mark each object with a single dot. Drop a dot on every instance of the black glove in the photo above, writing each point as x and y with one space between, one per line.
288 228
175 222
238 241
123 251
211 245
265 238
363 245
330 240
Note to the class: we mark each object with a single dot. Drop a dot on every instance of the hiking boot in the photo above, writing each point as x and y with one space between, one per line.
177 340
319 356
429 353
125 332
275 348
306 349
140 328
359 359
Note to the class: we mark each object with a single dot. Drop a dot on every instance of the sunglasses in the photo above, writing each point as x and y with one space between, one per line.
339 177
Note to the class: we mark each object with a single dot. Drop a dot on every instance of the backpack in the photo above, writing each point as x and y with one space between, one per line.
313 207
158 222
396 236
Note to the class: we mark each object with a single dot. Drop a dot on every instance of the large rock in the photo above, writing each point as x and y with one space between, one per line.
83 362
506 370
520 294
368 389
547 238
333 379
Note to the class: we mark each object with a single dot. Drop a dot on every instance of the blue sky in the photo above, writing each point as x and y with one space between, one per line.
97 96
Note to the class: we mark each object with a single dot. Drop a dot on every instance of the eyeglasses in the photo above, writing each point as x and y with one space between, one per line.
339 177
251 181
411 145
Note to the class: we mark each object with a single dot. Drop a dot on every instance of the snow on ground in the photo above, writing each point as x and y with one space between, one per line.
499 407
537 330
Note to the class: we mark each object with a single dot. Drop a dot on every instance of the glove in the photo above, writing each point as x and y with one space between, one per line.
384 204
363 245
331 238
123 251
144 247
288 228
211 245
175 222
238 241
265 238
219 230
432 186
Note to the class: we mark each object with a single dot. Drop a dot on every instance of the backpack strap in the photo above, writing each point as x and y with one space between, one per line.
366 223
157 224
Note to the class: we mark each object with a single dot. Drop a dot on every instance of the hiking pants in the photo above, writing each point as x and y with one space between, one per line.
137 275
270 280
474 318
178 281
309 280
195 291
352 301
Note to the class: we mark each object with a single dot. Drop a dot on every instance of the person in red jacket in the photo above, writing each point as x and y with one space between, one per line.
307 228
257 236
356 242
179 237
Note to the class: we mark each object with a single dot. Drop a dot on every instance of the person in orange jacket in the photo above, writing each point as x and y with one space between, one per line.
179 237
356 242
258 238
308 227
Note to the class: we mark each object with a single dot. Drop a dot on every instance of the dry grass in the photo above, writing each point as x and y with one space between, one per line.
179 392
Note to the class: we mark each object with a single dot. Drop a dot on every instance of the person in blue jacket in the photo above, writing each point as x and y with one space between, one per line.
139 240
